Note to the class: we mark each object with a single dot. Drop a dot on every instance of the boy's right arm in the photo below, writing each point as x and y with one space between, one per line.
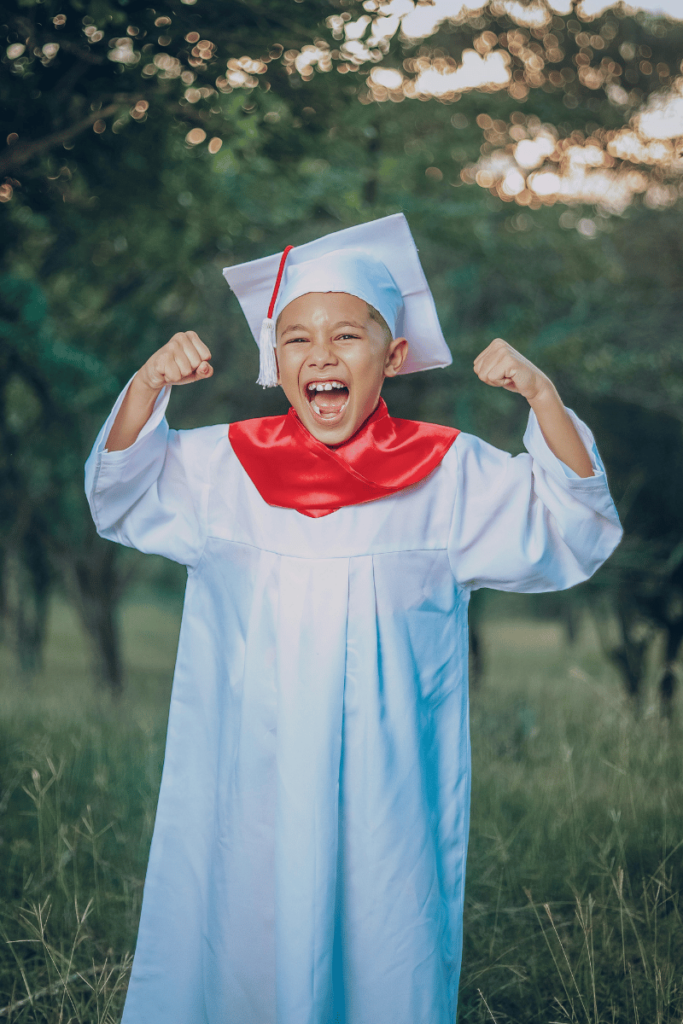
147 485
182 360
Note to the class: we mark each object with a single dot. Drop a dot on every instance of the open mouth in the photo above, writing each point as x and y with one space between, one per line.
327 399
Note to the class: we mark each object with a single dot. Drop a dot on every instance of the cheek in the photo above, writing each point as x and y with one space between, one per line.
286 362
289 366
368 371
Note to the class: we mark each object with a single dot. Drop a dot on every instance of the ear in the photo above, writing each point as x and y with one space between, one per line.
397 353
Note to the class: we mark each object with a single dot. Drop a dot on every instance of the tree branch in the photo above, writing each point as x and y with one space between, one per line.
87 56
21 152
304 31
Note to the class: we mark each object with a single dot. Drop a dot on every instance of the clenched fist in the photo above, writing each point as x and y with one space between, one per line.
502 366
182 360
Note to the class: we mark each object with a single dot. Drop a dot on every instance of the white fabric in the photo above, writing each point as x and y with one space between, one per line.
308 858
388 241
345 270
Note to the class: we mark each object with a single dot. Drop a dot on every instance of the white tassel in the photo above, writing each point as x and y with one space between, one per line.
267 377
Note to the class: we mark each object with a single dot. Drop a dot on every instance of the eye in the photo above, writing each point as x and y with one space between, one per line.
348 337
295 341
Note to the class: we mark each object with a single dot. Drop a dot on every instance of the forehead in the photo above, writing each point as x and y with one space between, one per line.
322 306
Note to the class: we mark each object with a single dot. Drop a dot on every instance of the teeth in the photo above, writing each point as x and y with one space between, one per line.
325 415
326 386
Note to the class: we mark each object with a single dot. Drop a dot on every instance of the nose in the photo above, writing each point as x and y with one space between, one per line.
321 354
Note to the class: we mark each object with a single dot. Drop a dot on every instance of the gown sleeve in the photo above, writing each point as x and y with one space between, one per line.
152 496
528 523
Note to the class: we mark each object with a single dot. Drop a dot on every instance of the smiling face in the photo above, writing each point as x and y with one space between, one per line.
332 360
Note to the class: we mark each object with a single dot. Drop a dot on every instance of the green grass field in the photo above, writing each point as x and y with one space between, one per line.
574 908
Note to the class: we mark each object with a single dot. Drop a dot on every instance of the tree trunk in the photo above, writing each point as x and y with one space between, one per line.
667 684
94 586
373 146
100 622
629 654
571 619
25 598
476 644
476 665
667 689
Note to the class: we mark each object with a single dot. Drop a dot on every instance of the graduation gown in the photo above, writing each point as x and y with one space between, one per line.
308 858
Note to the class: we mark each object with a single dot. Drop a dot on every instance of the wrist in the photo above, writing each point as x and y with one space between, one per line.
546 395
144 387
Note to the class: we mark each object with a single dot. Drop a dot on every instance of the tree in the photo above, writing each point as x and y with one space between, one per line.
104 264
271 126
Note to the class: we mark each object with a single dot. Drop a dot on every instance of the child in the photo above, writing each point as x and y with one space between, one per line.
309 850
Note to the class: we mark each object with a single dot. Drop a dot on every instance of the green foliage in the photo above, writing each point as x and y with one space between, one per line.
115 239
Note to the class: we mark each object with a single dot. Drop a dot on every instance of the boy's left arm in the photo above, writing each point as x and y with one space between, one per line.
501 366
540 521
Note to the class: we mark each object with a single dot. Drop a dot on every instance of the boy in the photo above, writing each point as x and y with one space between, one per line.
309 850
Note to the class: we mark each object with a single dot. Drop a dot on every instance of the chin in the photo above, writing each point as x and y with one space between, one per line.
330 433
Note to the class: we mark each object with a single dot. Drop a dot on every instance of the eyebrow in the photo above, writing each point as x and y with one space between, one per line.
335 327
294 327
349 323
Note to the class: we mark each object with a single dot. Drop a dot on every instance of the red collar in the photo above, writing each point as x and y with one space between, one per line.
292 469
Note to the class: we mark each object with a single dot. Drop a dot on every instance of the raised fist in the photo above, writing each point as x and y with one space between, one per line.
502 366
182 360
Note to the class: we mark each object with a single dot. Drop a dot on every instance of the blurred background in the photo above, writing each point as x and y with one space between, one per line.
535 147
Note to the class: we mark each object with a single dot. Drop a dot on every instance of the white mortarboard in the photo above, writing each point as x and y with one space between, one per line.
376 261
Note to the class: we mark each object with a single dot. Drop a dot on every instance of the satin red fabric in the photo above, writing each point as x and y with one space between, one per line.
292 469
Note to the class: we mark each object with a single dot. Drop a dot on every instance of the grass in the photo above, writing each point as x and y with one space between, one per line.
79 786
576 856
575 869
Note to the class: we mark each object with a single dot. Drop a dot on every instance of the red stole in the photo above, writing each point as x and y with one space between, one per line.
292 469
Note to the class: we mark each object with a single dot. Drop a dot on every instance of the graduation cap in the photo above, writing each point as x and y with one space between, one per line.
376 261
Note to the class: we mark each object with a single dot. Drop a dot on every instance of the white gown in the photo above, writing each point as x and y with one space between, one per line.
308 858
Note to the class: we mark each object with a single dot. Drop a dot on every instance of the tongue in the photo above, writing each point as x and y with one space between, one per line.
330 401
